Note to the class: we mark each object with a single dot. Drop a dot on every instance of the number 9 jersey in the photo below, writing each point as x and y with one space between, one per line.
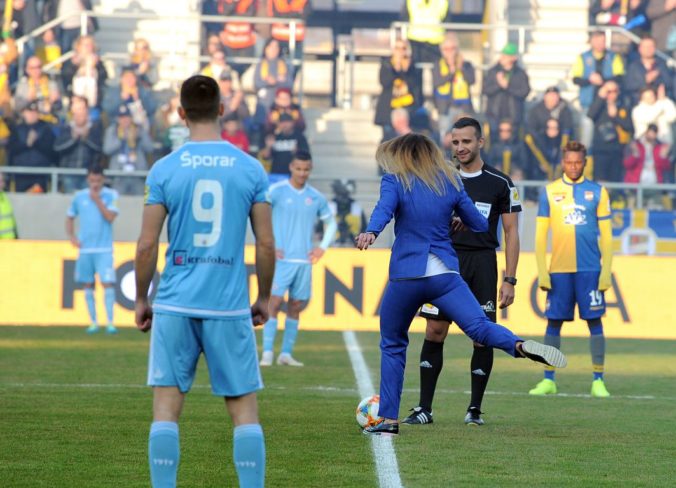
208 189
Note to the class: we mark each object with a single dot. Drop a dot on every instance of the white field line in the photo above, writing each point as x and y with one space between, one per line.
347 391
383 449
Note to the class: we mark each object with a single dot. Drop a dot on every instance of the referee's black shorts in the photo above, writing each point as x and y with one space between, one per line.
480 270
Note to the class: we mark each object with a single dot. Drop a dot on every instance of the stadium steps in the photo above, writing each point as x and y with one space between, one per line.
550 53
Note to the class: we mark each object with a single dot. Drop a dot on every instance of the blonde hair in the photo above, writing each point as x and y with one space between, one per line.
417 156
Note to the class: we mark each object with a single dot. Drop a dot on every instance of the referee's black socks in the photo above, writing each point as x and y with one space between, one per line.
431 362
480 368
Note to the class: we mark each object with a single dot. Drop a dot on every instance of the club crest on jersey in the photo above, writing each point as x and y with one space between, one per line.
308 201
589 196
558 197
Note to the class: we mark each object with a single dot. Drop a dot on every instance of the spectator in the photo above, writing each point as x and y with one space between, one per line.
452 77
655 109
171 128
272 72
506 87
238 38
49 50
25 17
545 152
140 101
36 86
217 65
400 124
349 213
127 144
425 32
84 75
400 86
232 98
31 144
280 148
612 132
7 221
4 140
552 106
507 153
284 104
648 159
8 54
289 9
595 67
78 143
233 133
662 16
629 14
213 44
647 72
70 28
143 64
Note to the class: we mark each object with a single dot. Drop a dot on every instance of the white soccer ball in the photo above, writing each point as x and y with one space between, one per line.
367 410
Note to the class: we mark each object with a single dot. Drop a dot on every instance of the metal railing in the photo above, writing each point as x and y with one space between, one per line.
640 189
173 50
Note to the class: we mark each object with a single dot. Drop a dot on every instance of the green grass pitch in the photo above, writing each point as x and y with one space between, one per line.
74 412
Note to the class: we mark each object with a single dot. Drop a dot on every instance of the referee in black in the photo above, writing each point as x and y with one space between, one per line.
495 196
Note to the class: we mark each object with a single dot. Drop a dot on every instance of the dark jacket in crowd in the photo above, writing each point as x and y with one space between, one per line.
69 70
40 154
507 156
634 81
662 21
544 156
506 103
537 117
79 152
283 150
402 86
610 132
50 9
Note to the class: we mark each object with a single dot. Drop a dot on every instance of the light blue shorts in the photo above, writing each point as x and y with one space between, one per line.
100 263
229 347
294 277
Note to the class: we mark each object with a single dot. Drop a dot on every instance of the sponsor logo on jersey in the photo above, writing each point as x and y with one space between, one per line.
589 195
558 197
181 258
206 160
575 216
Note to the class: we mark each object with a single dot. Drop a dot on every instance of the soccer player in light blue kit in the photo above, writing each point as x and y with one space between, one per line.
207 189
295 208
96 207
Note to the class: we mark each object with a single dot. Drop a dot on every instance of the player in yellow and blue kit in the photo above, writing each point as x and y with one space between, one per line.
96 207
295 208
207 189
578 212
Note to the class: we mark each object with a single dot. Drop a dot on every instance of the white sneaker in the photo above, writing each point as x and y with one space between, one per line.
266 358
286 359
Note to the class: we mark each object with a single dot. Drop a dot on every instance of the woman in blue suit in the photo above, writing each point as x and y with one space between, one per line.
422 192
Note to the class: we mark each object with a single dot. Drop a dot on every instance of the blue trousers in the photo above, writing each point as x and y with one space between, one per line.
451 295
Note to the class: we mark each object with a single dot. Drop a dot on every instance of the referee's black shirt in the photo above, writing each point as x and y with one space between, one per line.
494 194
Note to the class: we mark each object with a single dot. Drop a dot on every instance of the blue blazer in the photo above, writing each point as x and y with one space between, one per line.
422 224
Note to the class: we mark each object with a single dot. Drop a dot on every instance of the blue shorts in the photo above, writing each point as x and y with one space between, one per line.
570 288
294 277
229 347
100 263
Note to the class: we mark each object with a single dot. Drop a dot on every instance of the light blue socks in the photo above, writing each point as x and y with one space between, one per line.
290 334
91 304
110 302
163 454
249 455
269 332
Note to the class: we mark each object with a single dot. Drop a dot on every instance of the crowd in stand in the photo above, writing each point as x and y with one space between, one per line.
624 113
80 113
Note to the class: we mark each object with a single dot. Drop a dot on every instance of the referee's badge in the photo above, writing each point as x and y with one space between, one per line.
514 198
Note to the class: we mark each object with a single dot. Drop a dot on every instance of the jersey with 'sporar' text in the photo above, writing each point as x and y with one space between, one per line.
208 189
493 194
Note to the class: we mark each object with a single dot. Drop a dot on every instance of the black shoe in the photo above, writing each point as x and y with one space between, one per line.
381 428
544 354
418 416
473 417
